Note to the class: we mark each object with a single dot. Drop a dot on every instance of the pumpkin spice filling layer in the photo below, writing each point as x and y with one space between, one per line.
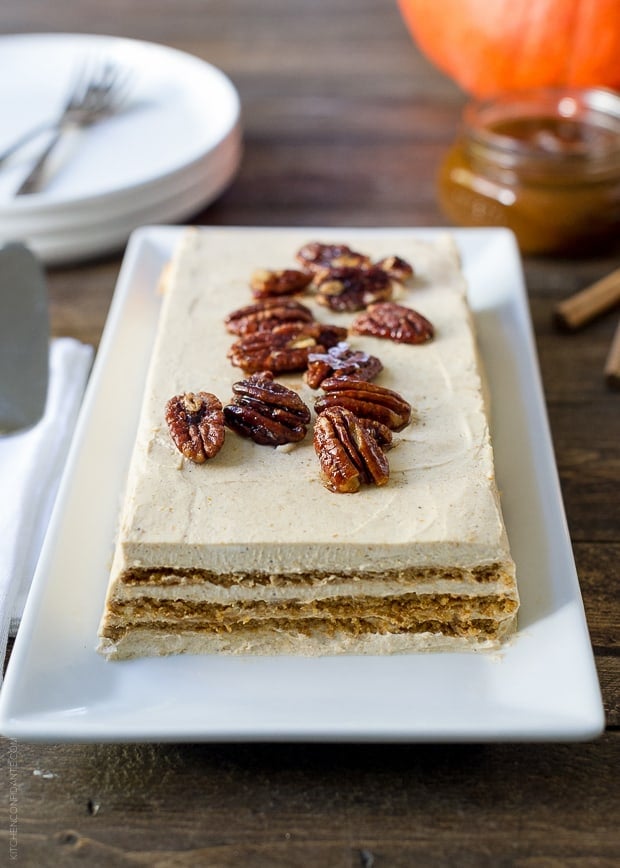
315 486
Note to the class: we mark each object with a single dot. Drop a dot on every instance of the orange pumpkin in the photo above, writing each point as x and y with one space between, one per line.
488 46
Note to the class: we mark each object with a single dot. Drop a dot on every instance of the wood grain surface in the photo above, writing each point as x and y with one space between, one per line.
345 124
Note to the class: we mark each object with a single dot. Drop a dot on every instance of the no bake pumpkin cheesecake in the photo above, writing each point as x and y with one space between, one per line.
256 548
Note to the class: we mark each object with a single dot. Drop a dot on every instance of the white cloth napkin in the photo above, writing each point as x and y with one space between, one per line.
31 464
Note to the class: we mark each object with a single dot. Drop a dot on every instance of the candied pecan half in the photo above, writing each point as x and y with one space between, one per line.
325 334
196 424
341 361
397 267
351 289
266 283
394 322
264 315
380 432
348 453
267 412
285 348
319 258
366 400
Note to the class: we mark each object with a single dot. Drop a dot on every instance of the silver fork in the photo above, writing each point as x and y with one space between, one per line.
77 92
94 95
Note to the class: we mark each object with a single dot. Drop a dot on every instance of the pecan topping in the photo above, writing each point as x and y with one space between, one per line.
264 315
348 454
395 322
341 361
265 283
196 424
380 432
366 400
397 267
350 289
285 348
267 412
319 258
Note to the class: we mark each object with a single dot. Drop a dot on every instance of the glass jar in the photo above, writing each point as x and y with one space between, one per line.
545 164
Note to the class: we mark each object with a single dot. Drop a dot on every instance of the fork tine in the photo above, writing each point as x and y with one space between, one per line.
76 87
122 86
94 86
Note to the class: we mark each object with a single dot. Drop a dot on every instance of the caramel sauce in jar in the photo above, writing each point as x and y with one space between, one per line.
545 164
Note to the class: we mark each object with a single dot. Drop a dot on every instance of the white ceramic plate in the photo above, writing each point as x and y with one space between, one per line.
181 112
94 238
543 686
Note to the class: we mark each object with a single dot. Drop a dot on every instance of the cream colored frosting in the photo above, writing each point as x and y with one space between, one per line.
304 593
255 508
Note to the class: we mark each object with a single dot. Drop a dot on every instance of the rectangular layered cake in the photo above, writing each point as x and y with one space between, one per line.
261 549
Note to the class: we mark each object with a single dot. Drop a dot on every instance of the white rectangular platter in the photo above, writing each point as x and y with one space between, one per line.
543 686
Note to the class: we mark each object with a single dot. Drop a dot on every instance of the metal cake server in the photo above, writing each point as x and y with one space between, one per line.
24 338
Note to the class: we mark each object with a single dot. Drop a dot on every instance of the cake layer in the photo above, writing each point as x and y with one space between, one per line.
256 523
311 639
414 574
393 614
277 588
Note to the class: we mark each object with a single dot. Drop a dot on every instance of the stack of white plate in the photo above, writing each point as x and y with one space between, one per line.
172 149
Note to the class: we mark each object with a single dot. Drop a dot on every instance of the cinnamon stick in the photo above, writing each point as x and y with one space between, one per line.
588 303
612 365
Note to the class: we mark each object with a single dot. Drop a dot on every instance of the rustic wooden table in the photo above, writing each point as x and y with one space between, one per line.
345 124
